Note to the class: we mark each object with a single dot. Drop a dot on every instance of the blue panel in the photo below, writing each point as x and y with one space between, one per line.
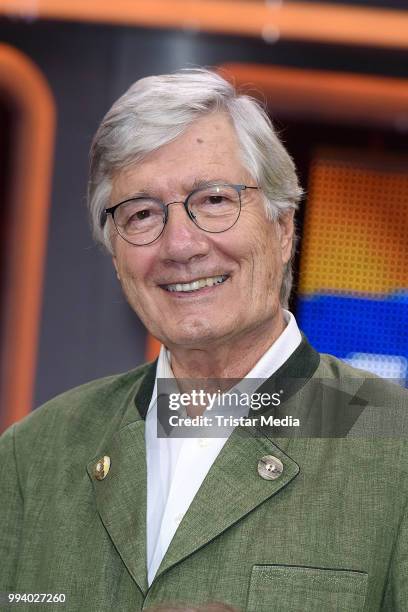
340 325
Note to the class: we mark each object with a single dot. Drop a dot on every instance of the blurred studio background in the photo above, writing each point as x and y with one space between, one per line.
334 77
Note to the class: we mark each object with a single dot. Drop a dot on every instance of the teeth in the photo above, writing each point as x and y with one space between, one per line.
197 284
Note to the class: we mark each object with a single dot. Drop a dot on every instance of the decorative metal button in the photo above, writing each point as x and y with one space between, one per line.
102 467
270 467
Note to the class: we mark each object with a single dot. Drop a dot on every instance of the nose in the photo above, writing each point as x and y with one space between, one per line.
182 240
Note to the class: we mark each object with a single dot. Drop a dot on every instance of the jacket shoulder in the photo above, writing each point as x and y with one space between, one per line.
88 405
69 429
373 389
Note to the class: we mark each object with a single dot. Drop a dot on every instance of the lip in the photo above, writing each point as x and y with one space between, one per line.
162 285
198 292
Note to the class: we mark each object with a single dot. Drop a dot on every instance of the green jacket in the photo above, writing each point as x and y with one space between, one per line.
329 534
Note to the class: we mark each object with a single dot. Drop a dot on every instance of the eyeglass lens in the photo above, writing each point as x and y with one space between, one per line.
213 209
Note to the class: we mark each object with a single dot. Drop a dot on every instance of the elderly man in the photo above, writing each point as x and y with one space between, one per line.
194 196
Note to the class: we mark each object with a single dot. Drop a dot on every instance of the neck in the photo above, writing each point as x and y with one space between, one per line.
232 358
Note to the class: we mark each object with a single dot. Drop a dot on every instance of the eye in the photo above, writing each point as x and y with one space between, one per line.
139 213
216 199
142 214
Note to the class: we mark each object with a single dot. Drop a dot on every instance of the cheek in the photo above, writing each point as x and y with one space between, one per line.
133 271
268 265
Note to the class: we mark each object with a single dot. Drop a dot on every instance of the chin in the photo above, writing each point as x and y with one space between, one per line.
193 334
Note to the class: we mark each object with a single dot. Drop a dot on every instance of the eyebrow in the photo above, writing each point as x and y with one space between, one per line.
197 184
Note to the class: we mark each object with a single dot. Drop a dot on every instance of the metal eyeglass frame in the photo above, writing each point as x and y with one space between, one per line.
190 214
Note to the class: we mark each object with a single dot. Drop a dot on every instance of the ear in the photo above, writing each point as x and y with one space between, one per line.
286 232
115 263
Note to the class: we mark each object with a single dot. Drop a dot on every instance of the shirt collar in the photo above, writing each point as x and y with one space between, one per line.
277 354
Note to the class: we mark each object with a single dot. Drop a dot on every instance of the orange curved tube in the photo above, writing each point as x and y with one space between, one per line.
27 91
308 21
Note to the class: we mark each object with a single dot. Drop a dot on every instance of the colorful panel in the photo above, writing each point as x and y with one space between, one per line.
353 298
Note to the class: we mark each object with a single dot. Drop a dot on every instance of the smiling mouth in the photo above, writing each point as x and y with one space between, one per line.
196 285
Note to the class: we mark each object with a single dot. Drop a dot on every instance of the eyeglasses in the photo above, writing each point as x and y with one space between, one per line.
214 208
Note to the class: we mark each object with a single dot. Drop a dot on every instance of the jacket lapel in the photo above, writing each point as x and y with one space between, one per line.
232 489
121 495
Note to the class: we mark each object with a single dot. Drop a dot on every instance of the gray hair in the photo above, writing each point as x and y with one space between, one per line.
157 109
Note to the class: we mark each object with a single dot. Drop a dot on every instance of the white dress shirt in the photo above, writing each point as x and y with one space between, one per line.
176 467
